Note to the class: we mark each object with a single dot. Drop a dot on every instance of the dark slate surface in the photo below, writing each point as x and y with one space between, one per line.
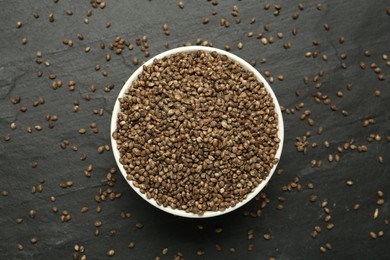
365 26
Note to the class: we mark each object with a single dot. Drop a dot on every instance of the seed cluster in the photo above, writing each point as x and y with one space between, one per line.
197 132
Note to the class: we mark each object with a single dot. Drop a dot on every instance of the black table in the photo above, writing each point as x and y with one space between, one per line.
305 191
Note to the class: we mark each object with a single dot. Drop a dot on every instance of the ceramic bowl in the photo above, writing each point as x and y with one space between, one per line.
246 66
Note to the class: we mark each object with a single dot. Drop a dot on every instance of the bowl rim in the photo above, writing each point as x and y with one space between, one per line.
245 65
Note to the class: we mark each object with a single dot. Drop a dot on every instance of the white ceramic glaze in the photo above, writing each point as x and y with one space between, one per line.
245 65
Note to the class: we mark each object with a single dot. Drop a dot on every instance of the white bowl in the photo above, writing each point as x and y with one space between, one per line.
245 65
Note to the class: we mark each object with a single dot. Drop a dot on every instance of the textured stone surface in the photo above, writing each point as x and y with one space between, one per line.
365 26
